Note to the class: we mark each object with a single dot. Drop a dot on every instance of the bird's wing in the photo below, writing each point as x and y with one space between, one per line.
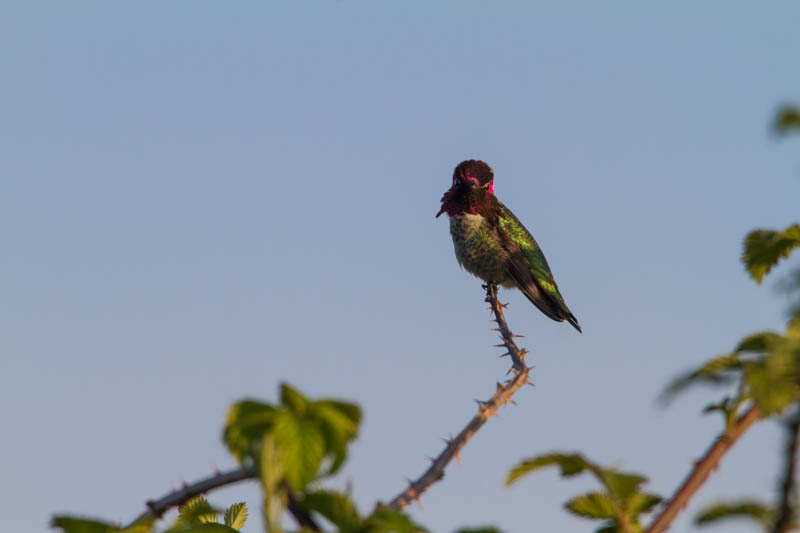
529 268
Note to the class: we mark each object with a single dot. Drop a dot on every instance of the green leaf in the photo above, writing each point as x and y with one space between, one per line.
293 399
613 528
787 119
713 372
753 509
303 445
337 507
204 528
621 485
592 505
760 343
72 524
772 381
643 502
247 422
273 463
793 329
236 515
763 249
387 520
570 465
338 423
196 511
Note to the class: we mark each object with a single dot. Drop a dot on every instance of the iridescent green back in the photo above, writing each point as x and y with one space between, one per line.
513 228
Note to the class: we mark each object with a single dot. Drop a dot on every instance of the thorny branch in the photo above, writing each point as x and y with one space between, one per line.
516 354
486 409
785 518
702 469
156 508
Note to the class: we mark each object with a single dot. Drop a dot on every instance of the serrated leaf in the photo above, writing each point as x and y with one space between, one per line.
787 119
592 505
303 446
763 249
337 507
247 422
293 399
643 502
236 515
753 509
570 464
196 511
74 524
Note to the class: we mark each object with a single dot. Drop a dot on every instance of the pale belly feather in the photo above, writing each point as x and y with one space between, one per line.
477 249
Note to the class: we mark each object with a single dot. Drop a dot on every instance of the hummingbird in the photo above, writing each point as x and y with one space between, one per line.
492 244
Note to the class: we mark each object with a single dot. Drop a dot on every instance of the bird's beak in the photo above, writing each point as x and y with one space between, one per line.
440 212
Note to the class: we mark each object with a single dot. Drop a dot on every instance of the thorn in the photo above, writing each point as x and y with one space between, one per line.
500 387
431 459
215 469
503 355
497 415
183 483
500 345
495 329
520 336
511 400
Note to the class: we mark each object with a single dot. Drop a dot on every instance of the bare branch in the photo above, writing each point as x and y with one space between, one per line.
702 469
156 508
786 516
486 410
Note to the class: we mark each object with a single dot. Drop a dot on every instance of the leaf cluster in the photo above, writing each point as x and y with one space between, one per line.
310 436
765 366
195 516
620 502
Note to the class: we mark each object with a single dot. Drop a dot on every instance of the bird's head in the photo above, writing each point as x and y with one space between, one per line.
468 175
474 173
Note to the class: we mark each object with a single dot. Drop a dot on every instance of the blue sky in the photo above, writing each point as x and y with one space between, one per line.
199 201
